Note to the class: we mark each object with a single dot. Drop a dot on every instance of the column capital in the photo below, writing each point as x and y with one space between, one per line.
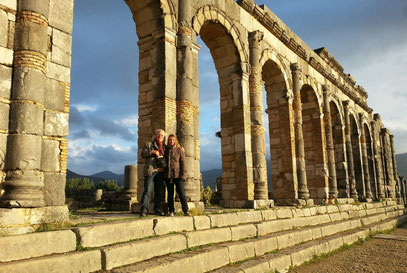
255 37
346 104
326 89
295 68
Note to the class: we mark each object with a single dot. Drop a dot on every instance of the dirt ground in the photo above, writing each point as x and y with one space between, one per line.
373 256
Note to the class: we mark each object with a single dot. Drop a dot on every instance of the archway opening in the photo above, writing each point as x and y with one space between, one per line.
313 144
227 63
370 161
357 157
338 136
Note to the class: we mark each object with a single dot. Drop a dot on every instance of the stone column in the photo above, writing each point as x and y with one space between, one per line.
393 159
257 118
130 181
185 97
377 160
23 186
333 188
368 190
351 166
388 158
303 192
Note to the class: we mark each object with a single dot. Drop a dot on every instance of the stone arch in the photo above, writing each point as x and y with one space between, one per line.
370 158
314 144
207 14
230 58
152 16
280 114
156 25
338 136
357 154
272 55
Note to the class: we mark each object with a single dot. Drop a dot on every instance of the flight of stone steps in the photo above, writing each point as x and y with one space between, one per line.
243 241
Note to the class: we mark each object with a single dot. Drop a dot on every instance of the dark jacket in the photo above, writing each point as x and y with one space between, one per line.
150 165
176 165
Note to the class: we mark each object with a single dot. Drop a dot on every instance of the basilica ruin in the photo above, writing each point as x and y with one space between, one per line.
334 174
326 143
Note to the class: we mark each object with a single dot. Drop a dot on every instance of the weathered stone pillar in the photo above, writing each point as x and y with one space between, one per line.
185 97
388 158
303 192
257 118
23 186
368 190
130 181
333 188
377 160
351 166
157 90
393 159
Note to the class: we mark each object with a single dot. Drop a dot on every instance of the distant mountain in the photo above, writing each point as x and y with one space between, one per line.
401 160
110 176
98 177
209 177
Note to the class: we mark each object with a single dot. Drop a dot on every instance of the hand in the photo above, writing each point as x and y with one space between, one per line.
155 152
182 149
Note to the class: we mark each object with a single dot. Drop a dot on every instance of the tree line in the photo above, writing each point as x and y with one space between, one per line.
87 184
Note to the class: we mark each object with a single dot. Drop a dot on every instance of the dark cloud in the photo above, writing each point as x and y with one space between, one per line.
102 158
81 134
110 128
75 116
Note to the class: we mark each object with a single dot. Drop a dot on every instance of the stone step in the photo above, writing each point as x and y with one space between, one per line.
132 252
296 255
18 247
117 232
221 254
122 243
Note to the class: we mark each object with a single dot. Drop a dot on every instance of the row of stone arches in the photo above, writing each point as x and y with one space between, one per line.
240 67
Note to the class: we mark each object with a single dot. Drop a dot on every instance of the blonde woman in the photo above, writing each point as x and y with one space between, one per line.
153 152
175 174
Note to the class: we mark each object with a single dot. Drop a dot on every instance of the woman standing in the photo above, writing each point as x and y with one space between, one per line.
175 173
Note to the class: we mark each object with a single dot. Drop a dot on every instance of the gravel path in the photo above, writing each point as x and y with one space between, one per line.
373 256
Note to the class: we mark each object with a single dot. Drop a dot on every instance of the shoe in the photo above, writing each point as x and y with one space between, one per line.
143 213
171 214
187 214
159 213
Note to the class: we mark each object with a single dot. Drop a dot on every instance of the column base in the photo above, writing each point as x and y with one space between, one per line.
135 207
341 201
294 202
247 204
25 220
120 204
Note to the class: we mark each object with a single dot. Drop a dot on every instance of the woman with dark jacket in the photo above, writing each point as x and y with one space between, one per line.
175 173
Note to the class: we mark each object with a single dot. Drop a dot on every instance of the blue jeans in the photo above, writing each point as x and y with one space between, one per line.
154 181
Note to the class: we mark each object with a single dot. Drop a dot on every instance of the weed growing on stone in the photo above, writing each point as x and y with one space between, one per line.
79 247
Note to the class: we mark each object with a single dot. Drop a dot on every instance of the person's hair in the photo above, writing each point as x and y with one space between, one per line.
157 131
176 144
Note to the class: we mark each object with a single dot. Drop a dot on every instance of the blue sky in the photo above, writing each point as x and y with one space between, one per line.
367 37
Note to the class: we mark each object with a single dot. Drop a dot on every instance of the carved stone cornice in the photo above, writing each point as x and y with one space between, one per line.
262 14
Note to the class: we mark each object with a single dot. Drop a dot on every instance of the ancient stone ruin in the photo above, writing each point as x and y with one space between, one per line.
325 142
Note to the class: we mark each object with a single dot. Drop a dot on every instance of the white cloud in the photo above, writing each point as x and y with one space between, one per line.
84 107
130 121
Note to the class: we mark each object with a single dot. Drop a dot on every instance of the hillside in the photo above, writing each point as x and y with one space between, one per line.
98 177
401 160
